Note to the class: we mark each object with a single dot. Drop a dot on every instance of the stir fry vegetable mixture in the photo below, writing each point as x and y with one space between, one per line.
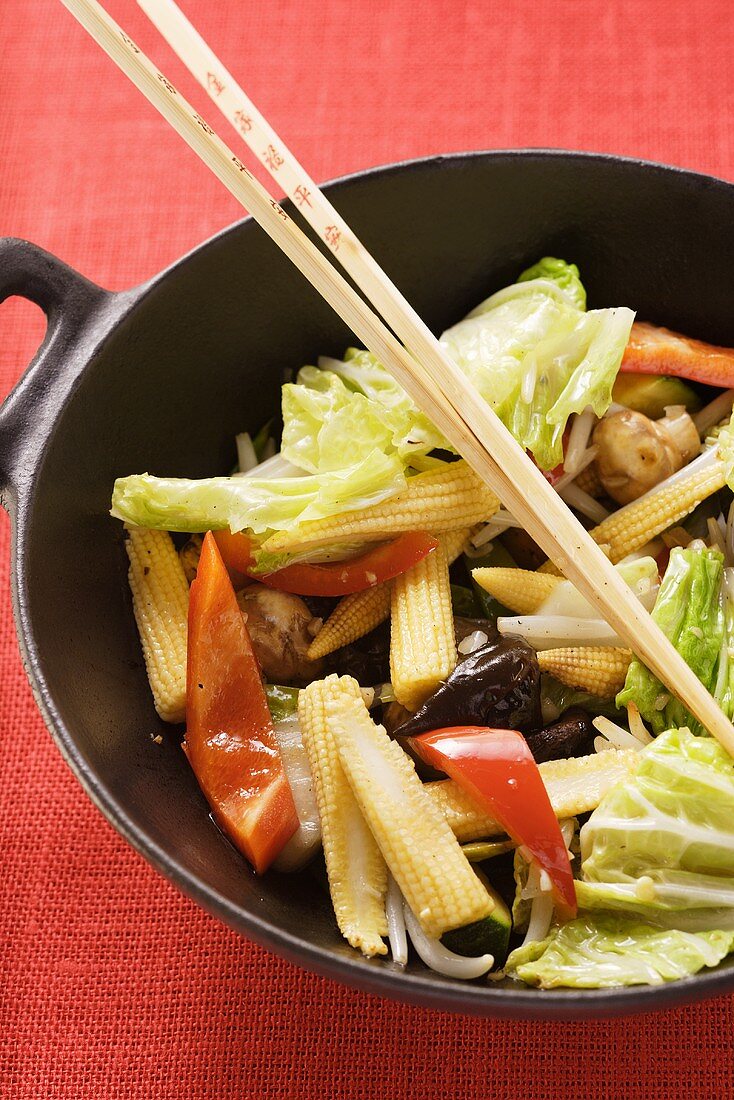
374 661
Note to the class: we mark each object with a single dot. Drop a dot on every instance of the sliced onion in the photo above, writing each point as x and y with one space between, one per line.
396 932
439 958
568 828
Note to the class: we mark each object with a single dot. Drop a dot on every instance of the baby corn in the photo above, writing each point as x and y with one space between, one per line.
522 590
353 617
422 853
439 500
632 526
160 594
629 528
574 787
356 870
359 613
589 481
600 670
422 640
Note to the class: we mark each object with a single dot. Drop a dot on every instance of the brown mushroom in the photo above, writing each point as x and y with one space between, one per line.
636 453
279 625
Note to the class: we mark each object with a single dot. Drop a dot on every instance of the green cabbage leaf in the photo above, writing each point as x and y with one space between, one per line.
536 356
532 350
604 950
259 504
656 891
668 830
690 611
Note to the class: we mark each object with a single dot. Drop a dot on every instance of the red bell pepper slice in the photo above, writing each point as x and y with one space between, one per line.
230 741
339 578
497 769
236 552
653 350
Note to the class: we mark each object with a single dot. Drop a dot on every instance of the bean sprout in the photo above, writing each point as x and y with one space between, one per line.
396 932
439 958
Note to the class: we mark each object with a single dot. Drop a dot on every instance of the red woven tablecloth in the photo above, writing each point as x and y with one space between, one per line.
113 985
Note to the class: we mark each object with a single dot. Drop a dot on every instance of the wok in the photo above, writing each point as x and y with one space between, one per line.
162 377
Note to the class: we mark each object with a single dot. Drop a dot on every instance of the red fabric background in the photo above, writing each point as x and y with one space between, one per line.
112 984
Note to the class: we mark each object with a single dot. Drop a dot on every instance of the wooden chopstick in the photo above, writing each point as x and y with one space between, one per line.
445 394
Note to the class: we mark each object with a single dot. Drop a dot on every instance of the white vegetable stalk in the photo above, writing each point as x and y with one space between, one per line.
246 456
729 538
710 415
325 362
578 438
439 958
275 466
584 503
557 631
307 839
651 549
641 576
637 727
499 522
396 932
529 380
716 535
614 736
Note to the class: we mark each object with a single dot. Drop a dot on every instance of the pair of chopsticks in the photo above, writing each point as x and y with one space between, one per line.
419 364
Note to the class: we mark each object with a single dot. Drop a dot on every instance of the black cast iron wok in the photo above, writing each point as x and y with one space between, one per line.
161 378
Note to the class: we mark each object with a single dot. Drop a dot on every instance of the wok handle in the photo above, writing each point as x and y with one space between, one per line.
69 301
